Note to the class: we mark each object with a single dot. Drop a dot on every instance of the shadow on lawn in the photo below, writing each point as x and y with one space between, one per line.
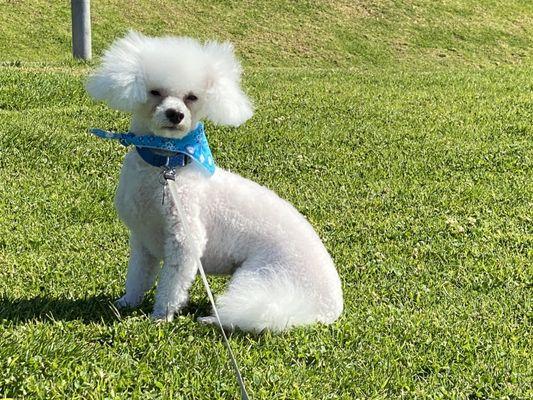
91 309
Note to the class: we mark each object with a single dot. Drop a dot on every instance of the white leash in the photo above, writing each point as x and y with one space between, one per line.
170 183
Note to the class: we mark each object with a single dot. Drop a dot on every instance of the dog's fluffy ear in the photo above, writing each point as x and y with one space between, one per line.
226 102
119 80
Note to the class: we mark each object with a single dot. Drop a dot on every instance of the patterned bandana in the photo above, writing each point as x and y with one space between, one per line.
194 144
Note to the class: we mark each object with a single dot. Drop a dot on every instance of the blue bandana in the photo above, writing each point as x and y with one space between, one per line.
194 145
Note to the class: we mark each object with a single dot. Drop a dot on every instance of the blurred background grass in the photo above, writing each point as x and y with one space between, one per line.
288 34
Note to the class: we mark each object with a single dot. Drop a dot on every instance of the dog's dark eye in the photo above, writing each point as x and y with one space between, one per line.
156 93
191 97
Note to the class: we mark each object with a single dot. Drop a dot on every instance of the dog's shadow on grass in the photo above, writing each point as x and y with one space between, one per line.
99 309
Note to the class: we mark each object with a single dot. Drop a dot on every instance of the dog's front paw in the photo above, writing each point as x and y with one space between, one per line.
210 320
126 302
163 316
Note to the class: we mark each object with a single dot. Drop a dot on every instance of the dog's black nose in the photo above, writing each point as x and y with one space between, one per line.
174 116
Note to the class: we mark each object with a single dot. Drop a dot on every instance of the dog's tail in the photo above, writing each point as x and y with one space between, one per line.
259 300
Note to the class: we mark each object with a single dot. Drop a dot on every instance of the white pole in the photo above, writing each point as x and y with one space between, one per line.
81 29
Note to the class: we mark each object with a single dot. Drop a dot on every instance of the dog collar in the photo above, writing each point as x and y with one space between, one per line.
193 145
158 160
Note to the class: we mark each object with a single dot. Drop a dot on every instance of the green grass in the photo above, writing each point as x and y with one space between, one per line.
280 33
402 130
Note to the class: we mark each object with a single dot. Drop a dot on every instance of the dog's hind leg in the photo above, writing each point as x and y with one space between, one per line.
142 272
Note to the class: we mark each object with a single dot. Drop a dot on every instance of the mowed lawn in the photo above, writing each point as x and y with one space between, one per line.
401 130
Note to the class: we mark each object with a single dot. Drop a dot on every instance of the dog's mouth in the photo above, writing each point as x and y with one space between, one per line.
172 131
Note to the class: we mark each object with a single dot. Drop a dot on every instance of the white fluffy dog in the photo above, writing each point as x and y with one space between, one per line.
282 275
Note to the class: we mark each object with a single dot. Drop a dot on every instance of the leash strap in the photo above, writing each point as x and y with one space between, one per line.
170 183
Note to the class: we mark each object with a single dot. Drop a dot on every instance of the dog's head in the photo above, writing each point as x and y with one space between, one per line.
170 83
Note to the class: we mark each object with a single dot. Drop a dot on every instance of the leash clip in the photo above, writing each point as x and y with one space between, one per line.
169 173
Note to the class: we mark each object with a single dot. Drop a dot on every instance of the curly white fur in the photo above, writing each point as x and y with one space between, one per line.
282 275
